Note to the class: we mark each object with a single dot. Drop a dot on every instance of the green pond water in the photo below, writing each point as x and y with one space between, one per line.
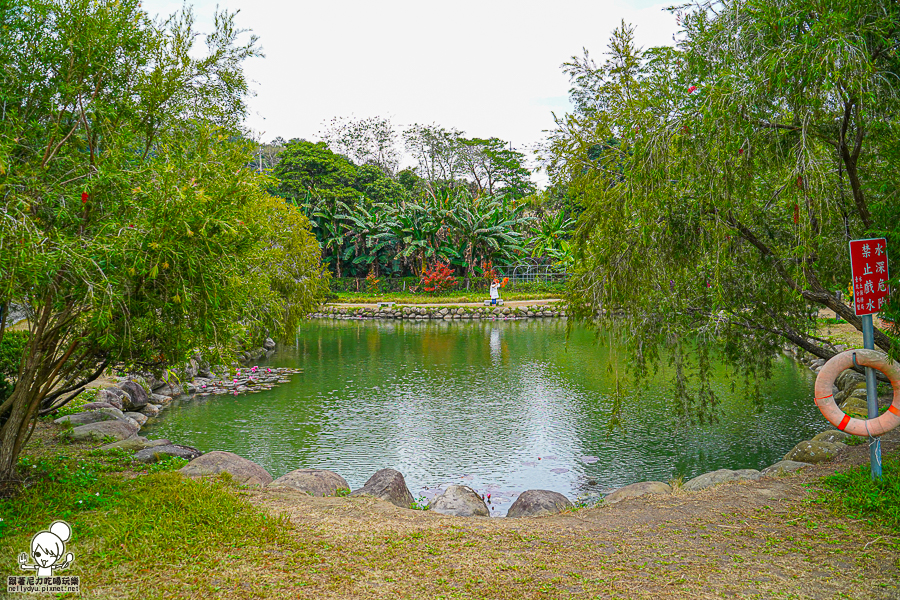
501 406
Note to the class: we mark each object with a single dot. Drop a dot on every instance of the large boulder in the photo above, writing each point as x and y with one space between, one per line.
782 468
137 397
155 383
112 396
315 482
135 443
814 452
160 400
171 389
191 369
638 489
721 476
241 470
856 407
387 484
151 410
137 417
534 503
157 453
118 429
849 380
83 418
269 344
96 405
832 436
460 501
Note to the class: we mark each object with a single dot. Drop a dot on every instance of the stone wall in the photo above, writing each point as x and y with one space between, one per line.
446 313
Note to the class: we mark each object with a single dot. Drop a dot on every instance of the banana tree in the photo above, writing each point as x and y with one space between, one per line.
372 225
550 238
330 220
421 236
487 227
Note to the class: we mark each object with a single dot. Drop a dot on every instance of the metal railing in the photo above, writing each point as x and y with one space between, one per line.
532 272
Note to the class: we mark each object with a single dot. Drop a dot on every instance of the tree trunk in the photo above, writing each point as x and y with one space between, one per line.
23 404
15 430
470 262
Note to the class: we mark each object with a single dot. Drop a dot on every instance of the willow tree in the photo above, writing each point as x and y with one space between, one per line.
723 177
130 229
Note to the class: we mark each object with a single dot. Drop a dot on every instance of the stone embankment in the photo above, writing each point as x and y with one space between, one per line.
446 313
122 410
849 388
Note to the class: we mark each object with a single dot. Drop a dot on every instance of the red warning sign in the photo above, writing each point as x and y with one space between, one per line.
869 269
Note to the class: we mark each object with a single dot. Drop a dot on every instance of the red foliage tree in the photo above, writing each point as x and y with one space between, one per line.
438 278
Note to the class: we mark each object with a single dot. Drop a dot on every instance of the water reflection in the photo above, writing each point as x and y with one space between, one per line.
499 406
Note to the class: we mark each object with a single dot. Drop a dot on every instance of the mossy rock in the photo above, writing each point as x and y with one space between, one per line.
814 452
832 436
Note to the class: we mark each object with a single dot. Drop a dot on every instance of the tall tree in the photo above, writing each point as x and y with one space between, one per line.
722 179
312 169
437 151
370 141
495 167
129 214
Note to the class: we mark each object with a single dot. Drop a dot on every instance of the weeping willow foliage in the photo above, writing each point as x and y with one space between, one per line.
722 178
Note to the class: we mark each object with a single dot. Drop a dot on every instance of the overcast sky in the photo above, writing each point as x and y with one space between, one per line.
488 68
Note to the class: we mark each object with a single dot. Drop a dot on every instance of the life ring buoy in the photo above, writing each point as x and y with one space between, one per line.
825 399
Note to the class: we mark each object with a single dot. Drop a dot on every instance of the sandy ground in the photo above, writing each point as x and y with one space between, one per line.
762 539
844 333
509 303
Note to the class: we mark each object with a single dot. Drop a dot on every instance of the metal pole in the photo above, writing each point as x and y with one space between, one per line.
872 396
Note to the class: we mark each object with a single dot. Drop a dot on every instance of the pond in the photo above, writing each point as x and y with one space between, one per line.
499 406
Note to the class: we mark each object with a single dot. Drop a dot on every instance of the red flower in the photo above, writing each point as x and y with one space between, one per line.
84 197
692 89
740 150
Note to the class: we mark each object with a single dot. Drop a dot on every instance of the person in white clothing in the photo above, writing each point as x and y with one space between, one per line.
495 291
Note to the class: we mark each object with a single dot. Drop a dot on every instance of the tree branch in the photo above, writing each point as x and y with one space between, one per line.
850 161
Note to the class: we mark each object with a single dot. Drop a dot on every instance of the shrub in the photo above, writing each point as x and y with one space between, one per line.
372 283
438 278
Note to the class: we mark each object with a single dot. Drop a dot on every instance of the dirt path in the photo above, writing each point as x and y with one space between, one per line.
844 333
760 539
509 303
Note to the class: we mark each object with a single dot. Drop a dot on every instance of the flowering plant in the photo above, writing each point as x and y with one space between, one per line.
438 278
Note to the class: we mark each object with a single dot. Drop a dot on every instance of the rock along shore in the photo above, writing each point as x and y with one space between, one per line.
120 412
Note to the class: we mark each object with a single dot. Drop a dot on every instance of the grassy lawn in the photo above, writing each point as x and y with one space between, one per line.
447 298
149 533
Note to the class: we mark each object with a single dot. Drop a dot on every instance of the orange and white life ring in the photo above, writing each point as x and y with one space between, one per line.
825 399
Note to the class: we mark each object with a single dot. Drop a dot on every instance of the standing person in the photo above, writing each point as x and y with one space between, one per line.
495 291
